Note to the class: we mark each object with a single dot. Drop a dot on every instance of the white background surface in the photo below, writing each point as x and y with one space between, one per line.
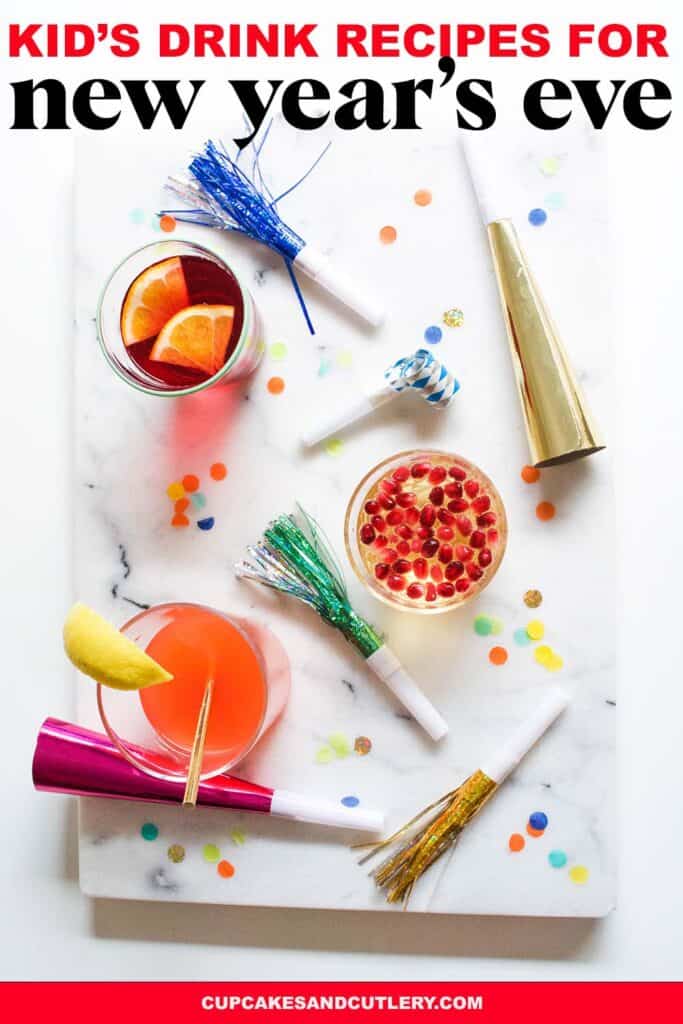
49 930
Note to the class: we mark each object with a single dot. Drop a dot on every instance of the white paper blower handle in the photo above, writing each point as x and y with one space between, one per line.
386 665
499 764
323 812
319 267
355 410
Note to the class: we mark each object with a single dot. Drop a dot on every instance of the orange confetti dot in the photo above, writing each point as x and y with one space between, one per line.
545 510
167 223
516 842
180 520
225 869
530 474
276 385
191 483
218 471
388 234
498 655
535 832
422 197
181 505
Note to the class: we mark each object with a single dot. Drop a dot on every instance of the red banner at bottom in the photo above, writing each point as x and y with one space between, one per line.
498 1002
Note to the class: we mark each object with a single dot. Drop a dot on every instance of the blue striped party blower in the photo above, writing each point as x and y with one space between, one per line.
420 373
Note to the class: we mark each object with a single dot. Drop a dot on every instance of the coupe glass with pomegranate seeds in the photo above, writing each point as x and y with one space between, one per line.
425 531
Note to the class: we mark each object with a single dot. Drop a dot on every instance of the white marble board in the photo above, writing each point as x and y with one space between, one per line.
129 447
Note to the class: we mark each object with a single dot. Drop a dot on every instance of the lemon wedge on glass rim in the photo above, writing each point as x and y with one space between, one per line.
100 651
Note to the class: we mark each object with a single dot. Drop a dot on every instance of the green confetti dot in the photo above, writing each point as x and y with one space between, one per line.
238 837
340 744
198 499
211 853
325 367
278 350
137 215
324 755
483 625
334 446
149 831
496 627
557 858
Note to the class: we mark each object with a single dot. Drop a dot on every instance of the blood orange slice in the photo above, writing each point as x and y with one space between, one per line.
156 295
196 337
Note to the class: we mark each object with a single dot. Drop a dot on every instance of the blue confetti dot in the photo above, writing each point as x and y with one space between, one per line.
537 216
149 831
557 858
206 524
433 335
350 801
538 820
521 637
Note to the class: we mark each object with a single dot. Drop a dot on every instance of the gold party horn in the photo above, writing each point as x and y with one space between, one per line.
558 424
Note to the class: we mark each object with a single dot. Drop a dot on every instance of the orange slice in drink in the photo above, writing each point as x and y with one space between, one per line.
197 337
156 295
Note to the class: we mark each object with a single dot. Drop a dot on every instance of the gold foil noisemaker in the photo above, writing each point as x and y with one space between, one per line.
558 424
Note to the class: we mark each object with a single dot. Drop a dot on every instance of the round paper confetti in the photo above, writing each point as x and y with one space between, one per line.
175 491
324 755
433 335
149 831
537 217
137 216
181 505
340 744
198 499
325 367
533 598
535 832
276 385
535 629
344 359
543 654
180 520
191 483
206 524
167 223
350 801
516 842
554 200
422 197
334 446
225 869
483 625
218 471
496 627
238 837
498 655
539 819
557 858
579 874
521 637
530 474
176 853
454 317
545 510
362 745
549 166
211 853
278 350
387 234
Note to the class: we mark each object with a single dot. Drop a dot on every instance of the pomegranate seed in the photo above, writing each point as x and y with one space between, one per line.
454 570
457 472
367 533
403 547
437 475
463 552
412 516
381 570
493 536
415 544
401 474
415 590
464 525
420 469
446 553
402 565
425 532
390 487
474 572
485 557
386 501
458 505
371 507
481 504
436 572
445 533
436 495
445 589
471 488
446 517
396 582
478 539
404 532
462 585
453 490
420 568
428 515
377 522
381 542
389 555
430 594
406 498
486 519
394 517
430 547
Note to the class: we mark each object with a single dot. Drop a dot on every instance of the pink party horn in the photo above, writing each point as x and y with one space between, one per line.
71 759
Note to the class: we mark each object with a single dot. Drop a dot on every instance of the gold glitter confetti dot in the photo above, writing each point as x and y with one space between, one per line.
362 745
533 598
454 317
535 629
176 853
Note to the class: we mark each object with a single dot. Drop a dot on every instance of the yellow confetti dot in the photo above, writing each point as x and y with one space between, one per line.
543 654
340 744
175 491
344 359
334 446
579 874
238 837
278 350
211 853
535 629
555 663
324 755
549 166
496 627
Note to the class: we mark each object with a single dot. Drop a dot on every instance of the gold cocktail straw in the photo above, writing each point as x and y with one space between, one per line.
197 756
399 872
